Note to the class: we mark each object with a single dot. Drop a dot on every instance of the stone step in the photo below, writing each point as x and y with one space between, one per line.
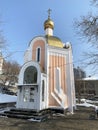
11 115
23 110
31 114
21 113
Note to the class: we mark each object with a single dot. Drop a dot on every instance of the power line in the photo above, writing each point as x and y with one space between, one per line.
77 61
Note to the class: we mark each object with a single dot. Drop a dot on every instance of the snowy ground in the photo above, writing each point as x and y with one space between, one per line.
4 98
88 103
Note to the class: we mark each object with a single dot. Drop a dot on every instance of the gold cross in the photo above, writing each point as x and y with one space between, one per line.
49 12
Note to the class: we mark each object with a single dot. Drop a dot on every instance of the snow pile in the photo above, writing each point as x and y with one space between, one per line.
34 120
90 101
87 103
4 98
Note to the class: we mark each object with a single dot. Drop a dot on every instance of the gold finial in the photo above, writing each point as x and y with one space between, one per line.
49 12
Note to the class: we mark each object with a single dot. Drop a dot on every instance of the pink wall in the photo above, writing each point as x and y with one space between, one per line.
54 62
41 44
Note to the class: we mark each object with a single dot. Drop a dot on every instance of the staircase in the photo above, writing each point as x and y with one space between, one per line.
27 114
31 114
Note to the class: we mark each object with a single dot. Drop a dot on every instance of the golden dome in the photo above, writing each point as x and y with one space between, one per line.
49 24
54 41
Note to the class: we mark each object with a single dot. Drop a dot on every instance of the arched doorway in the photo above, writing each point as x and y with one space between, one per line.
30 88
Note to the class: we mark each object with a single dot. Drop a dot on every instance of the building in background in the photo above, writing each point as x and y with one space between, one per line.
46 78
79 73
87 87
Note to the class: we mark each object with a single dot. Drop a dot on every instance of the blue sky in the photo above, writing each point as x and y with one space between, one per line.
23 20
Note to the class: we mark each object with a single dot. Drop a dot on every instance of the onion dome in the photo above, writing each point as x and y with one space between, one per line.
48 27
48 24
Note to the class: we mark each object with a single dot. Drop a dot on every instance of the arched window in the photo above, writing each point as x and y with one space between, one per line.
38 54
30 75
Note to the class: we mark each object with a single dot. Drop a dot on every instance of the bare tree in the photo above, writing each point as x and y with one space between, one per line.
10 73
95 2
2 39
87 28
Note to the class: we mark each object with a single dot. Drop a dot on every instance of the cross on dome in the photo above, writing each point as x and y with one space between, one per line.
49 24
49 12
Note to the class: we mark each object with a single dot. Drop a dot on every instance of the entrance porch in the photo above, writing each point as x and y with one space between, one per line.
32 90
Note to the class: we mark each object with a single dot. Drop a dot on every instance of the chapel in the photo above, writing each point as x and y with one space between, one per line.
46 79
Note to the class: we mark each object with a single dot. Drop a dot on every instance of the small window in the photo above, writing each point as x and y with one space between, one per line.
31 100
43 89
38 54
32 94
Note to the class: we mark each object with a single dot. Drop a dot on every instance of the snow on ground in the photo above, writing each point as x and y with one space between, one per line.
85 104
4 98
88 103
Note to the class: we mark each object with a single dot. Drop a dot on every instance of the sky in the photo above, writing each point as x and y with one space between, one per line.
23 19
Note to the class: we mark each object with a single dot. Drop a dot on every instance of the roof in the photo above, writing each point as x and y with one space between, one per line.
90 78
54 41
